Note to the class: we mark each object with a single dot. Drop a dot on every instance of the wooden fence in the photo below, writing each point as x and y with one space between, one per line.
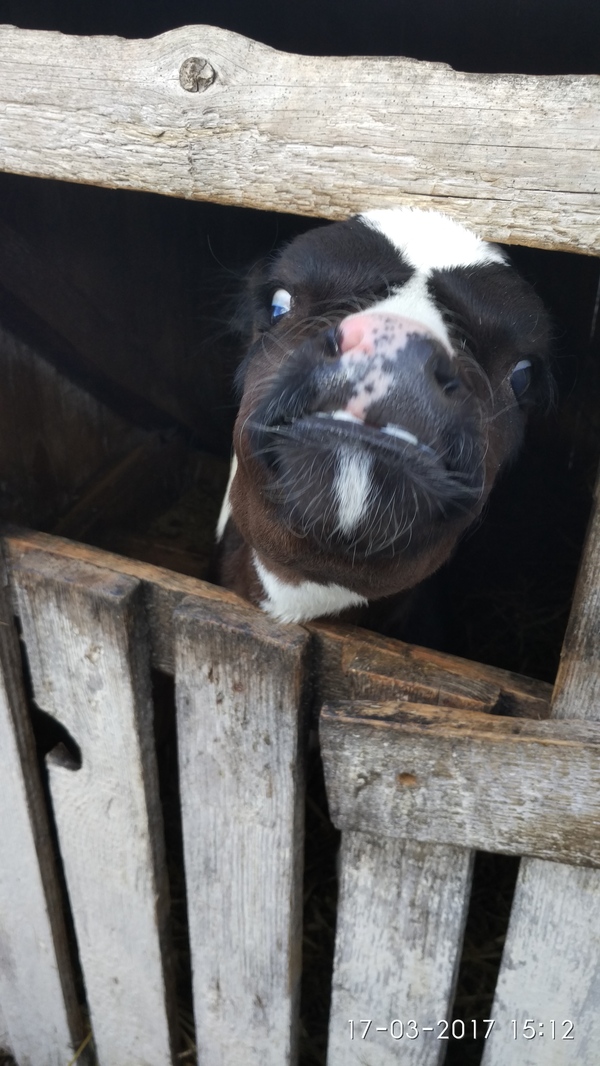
427 757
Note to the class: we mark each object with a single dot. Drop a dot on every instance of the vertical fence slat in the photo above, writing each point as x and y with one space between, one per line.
400 925
550 968
88 658
239 681
399 899
39 1016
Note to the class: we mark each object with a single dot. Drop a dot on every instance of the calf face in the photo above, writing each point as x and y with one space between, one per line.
391 362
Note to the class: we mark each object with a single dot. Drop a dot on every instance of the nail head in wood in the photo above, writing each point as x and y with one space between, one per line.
196 74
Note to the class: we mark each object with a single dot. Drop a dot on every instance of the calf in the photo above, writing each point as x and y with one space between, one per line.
390 363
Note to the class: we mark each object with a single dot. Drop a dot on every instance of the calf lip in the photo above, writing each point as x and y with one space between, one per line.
330 427
445 489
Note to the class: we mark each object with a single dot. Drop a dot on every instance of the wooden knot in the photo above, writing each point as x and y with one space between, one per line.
196 74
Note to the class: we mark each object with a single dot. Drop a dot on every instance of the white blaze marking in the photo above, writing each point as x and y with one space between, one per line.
352 487
414 301
429 240
301 603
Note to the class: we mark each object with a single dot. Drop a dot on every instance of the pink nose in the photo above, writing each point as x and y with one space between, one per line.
365 333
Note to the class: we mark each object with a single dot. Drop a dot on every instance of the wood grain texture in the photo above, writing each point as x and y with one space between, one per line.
425 932
39 1017
163 590
239 683
577 689
401 915
445 776
4 1038
551 961
514 156
350 663
550 969
356 664
87 653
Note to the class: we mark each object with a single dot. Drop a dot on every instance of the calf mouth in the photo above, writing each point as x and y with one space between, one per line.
360 489
347 428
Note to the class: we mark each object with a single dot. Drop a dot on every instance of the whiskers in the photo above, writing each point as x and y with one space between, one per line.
407 498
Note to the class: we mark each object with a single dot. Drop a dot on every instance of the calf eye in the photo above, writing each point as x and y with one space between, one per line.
280 304
520 379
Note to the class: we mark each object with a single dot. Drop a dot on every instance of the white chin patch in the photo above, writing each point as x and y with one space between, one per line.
352 488
305 601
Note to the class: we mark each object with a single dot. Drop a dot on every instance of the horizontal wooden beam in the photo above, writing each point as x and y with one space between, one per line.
475 780
349 663
355 664
163 590
206 114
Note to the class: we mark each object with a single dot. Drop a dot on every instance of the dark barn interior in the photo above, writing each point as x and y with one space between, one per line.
118 358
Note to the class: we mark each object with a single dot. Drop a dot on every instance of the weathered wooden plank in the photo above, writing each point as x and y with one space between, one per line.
239 687
350 663
514 156
356 664
577 689
4 1044
39 1016
445 776
551 962
163 589
87 653
550 971
425 932
401 915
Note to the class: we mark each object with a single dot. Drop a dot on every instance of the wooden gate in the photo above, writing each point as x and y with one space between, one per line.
427 757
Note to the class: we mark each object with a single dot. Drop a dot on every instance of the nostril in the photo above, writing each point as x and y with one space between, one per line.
450 386
445 374
331 347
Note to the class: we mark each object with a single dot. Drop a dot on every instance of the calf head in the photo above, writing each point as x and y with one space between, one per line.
390 364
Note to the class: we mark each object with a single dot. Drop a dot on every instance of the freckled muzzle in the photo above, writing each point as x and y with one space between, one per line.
370 437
